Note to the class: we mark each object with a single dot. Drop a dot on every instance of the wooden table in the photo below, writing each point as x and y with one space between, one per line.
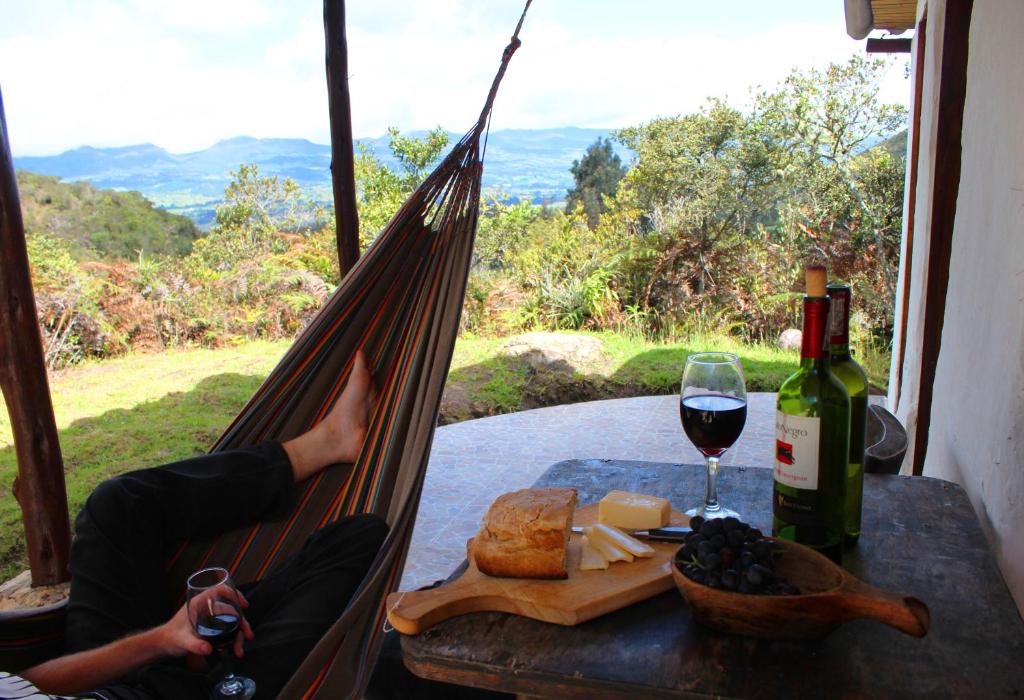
921 537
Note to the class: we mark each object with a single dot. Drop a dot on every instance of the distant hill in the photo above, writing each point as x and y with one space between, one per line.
522 163
101 223
896 145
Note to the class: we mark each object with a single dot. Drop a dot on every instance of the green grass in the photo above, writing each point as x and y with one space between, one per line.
138 411
496 383
133 412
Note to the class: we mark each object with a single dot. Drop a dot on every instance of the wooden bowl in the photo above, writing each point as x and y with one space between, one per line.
829 597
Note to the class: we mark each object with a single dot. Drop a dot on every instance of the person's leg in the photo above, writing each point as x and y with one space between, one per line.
292 608
126 525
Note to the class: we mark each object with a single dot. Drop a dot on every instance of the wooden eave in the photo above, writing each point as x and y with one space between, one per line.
894 15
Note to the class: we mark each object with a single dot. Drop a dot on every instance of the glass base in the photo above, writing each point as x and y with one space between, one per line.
712 513
238 688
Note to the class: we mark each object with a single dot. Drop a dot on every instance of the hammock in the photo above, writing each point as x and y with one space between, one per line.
400 305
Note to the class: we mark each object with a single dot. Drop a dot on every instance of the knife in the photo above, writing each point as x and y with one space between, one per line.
673 533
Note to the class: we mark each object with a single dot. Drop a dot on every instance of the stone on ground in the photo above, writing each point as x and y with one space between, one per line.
556 350
18 593
790 339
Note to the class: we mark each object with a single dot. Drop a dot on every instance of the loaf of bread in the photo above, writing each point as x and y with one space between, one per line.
525 534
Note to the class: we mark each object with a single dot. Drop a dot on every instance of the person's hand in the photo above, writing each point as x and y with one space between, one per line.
178 637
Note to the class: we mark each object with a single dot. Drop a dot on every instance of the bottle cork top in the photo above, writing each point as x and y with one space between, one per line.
816 279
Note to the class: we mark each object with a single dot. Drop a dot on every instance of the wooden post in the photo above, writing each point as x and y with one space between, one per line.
39 487
949 129
342 153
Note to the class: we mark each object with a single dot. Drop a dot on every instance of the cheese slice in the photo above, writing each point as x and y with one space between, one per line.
608 550
617 537
633 511
590 558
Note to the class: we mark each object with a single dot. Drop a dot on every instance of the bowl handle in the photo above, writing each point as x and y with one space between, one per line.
905 613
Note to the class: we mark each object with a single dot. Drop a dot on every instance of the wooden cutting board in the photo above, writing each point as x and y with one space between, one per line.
581 597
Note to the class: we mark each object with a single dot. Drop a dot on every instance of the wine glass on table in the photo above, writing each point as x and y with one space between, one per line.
213 610
713 409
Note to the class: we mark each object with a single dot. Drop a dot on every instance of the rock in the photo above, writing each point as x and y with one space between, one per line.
455 404
790 339
18 593
556 350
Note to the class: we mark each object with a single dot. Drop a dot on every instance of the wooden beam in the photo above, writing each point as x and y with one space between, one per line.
911 194
948 147
343 176
888 46
39 486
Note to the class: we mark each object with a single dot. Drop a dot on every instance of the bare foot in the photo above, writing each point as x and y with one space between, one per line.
340 435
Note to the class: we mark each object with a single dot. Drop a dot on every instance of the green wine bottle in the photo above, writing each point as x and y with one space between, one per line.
856 382
812 438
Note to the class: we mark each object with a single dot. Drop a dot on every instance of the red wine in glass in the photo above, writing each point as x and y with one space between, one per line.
712 422
712 409
218 629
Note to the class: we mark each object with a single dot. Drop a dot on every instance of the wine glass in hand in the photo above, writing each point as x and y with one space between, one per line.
215 614
713 409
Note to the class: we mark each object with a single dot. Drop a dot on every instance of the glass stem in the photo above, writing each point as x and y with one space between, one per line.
229 684
711 484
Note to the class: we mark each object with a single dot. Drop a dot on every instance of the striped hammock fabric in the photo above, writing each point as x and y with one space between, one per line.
400 305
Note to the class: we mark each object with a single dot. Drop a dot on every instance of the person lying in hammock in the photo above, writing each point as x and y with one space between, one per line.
121 633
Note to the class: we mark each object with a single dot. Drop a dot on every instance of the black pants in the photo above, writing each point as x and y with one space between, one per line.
117 560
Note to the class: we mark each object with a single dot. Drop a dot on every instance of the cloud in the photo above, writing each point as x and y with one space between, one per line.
185 74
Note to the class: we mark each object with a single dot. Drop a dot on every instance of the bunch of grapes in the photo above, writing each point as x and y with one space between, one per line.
727 553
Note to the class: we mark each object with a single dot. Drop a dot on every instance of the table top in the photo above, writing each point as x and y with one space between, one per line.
920 537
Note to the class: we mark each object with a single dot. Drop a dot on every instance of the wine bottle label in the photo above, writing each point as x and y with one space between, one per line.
796 450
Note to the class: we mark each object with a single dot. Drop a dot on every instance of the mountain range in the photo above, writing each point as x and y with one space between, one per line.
528 164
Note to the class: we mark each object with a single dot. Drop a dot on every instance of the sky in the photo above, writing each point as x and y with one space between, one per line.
183 74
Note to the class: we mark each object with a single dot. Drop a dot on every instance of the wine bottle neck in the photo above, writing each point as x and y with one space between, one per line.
839 351
814 343
839 319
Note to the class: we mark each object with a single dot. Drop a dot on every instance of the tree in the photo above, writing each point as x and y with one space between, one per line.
597 175
701 180
382 190
255 209
416 156
831 115
844 199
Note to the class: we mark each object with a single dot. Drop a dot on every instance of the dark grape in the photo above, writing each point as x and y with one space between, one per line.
754 577
731 555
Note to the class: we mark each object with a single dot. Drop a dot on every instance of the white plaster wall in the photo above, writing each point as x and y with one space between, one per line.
977 424
906 408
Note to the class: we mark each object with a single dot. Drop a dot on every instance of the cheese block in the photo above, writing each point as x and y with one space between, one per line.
608 550
633 511
590 558
615 536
